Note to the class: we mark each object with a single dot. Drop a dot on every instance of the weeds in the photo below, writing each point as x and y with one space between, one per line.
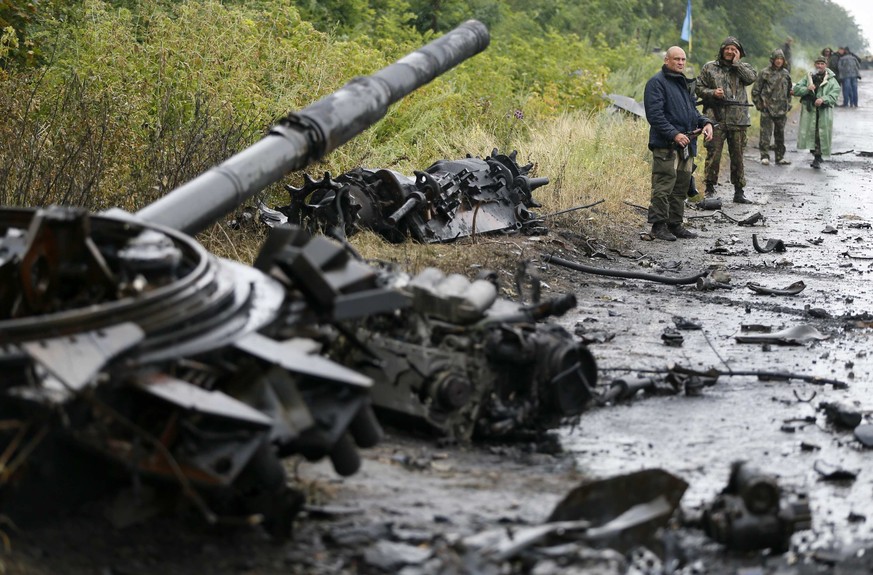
141 99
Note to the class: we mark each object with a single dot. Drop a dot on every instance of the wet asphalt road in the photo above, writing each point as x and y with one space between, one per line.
741 418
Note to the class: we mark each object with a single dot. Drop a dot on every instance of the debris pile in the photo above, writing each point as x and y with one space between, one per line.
469 363
449 200
134 358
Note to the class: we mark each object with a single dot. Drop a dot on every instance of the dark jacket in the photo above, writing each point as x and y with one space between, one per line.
670 109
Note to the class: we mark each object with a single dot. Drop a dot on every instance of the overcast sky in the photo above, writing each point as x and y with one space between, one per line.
862 11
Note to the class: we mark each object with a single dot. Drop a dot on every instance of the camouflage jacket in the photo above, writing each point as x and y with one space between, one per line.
771 92
733 79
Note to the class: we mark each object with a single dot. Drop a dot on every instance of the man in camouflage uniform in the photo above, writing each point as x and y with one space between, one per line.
722 87
771 94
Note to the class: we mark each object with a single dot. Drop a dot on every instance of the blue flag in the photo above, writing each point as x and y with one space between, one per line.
686 26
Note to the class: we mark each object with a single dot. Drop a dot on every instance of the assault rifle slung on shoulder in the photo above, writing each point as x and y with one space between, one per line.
718 103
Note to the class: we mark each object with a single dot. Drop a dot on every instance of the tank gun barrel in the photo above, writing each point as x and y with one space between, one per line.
309 134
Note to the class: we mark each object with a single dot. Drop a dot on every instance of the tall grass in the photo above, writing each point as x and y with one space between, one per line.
139 100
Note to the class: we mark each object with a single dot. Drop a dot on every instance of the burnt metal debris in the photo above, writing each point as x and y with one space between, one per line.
549 258
752 512
793 289
133 357
449 200
467 363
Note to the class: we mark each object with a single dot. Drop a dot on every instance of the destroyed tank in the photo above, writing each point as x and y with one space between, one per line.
135 362
451 199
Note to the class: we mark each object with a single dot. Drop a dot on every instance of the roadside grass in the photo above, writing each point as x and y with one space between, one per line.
139 100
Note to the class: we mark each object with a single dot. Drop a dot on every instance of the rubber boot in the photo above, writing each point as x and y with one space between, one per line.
660 231
740 196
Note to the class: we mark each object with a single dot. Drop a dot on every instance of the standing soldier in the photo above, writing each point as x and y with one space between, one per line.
771 94
818 94
722 87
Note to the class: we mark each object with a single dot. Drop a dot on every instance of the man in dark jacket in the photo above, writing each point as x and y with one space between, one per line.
674 124
833 61
848 71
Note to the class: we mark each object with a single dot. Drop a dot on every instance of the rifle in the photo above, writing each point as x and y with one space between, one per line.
684 152
721 103
810 97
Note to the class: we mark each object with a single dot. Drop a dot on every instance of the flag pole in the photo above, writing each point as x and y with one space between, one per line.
687 27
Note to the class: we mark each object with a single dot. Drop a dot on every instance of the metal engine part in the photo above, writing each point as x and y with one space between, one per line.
752 513
470 364
449 200
133 358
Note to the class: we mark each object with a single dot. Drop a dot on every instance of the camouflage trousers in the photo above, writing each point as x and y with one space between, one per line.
671 176
736 141
776 126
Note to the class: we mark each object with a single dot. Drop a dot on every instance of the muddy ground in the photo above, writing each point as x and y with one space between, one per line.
413 498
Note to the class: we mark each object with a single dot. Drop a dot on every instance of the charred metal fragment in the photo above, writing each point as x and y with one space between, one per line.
708 284
133 357
841 415
753 513
711 375
548 258
792 289
864 434
772 245
797 335
750 220
190 373
624 511
831 472
624 388
451 199
708 204
470 364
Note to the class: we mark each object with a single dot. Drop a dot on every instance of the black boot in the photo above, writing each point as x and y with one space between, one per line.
816 162
740 196
680 232
709 192
660 231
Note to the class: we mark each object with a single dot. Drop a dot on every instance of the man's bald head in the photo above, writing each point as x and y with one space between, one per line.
675 59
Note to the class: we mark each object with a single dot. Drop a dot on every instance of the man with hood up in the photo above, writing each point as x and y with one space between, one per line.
818 93
771 95
722 88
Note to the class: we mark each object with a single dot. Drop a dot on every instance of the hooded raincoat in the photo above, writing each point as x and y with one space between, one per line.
829 92
771 92
733 79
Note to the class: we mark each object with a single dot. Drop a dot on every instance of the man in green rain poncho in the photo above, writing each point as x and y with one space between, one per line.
818 93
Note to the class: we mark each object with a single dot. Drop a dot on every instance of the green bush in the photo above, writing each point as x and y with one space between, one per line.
143 96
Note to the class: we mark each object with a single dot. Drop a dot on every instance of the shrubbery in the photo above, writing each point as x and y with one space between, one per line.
140 97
